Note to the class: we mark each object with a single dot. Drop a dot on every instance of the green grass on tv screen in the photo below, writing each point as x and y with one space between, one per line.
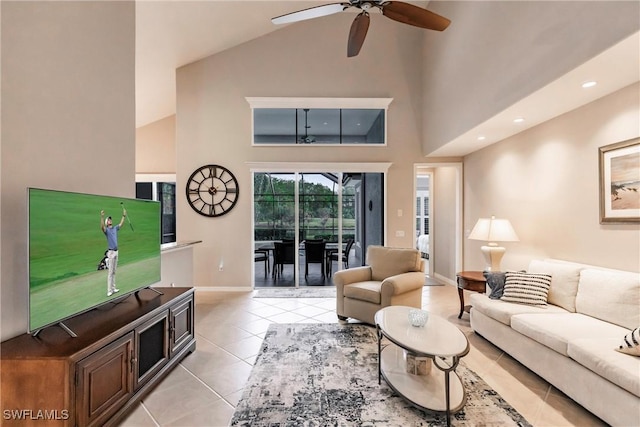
66 245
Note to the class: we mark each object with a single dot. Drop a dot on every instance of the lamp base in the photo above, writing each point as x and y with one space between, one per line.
493 255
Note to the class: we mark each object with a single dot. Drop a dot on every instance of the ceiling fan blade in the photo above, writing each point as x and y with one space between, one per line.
414 15
310 13
358 33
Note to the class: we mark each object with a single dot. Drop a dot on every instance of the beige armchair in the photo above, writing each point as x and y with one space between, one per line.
392 276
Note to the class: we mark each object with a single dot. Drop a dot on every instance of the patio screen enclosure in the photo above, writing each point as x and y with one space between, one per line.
332 206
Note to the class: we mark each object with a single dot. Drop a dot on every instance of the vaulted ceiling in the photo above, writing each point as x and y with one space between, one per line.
170 34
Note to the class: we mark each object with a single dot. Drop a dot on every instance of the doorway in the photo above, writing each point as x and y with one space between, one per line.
423 216
440 217
343 210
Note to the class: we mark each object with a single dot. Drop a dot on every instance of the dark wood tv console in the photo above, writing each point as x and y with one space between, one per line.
123 349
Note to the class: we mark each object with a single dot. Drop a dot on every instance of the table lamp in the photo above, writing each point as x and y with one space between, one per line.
493 230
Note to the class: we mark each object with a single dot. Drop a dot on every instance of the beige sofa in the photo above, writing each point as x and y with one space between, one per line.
392 276
572 342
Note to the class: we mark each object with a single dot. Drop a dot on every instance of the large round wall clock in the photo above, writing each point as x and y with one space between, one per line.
212 190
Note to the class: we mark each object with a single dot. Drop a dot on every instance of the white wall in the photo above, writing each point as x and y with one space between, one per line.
177 266
156 147
67 118
446 221
545 181
495 53
307 59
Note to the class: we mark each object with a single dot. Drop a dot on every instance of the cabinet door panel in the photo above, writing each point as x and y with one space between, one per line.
105 381
182 330
152 348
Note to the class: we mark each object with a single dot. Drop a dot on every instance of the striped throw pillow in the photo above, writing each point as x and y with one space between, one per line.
526 288
631 343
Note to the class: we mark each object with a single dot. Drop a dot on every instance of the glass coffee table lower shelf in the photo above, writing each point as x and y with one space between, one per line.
419 363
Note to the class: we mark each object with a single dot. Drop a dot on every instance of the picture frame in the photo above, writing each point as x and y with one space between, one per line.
619 166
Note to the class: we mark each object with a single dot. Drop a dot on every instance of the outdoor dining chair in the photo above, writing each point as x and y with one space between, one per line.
314 253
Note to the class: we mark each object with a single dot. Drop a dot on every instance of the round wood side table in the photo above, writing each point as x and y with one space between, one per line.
470 281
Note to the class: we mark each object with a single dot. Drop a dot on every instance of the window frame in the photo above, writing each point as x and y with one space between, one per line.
154 180
319 103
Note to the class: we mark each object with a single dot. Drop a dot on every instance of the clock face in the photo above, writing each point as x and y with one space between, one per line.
212 190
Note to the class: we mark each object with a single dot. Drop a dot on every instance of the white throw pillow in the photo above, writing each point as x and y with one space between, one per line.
526 288
631 343
564 282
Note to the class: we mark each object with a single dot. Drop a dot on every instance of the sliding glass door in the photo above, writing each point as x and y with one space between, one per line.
318 196
293 211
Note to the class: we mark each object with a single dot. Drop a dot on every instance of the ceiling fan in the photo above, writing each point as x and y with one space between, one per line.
396 10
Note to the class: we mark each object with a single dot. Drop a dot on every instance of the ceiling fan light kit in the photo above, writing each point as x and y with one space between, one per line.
398 11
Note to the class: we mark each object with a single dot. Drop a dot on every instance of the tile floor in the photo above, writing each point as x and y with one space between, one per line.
205 387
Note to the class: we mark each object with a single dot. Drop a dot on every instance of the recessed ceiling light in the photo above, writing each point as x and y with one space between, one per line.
482 138
518 120
590 83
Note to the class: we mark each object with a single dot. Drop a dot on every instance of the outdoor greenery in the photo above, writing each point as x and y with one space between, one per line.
274 203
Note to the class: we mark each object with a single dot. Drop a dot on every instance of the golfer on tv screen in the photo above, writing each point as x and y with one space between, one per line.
111 232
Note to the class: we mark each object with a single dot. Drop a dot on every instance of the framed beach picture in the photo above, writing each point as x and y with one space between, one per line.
620 182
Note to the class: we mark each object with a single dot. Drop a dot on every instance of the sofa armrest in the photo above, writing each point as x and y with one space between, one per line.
401 283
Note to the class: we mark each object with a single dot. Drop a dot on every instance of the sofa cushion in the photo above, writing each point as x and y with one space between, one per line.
557 330
364 291
598 356
502 311
630 343
612 296
526 288
564 282
386 262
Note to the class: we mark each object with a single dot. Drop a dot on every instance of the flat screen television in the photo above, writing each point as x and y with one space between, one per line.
68 262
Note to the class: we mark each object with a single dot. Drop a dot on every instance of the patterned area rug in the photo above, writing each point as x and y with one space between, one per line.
326 375
315 292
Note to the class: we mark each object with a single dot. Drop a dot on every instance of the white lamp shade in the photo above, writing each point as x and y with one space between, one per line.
493 230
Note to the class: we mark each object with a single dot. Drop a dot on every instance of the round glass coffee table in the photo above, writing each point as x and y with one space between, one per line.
405 361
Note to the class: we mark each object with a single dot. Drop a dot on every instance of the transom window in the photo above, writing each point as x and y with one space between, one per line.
319 121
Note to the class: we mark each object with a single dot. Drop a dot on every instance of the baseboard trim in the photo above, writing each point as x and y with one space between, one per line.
204 289
445 279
